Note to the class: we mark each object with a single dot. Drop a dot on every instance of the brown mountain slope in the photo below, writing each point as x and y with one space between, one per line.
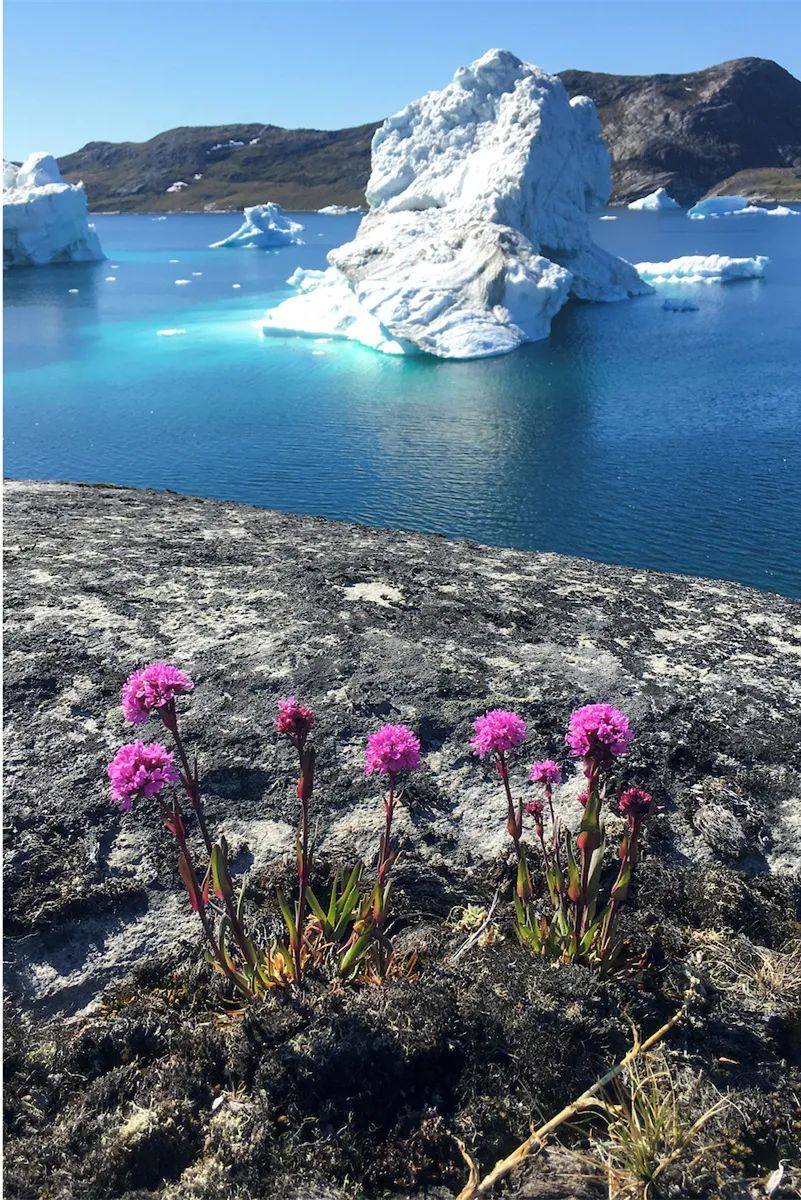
687 133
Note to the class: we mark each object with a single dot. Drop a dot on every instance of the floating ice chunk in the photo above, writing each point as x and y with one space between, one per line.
478 223
169 332
182 282
175 260
197 272
159 218
73 291
671 305
337 210
45 220
178 186
236 285
703 268
607 217
111 279
736 206
265 225
657 201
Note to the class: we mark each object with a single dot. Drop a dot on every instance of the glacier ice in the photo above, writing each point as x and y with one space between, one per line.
264 225
736 206
45 220
478 230
703 268
657 201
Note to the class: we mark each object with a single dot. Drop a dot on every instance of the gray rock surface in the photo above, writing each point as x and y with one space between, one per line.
366 625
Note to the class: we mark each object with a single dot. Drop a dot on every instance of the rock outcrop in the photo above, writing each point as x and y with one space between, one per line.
367 626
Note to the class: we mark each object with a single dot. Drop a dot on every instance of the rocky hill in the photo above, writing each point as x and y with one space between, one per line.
687 133
157 1088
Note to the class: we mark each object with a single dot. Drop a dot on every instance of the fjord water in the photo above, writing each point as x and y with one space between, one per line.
633 435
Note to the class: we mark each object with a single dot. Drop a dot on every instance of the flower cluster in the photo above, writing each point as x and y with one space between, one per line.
154 687
598 731
295 721
138 770
391 749
635 803
547 771
497 732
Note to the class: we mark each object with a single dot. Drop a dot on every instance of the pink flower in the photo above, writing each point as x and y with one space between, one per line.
153 687
598 731
635 803
393 748
535 807
582 798
294 720
139 770
497 731
547 772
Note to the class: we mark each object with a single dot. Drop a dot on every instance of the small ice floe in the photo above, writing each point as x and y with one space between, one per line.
702 268
265 225
197 272
175 260
337 210
671 305
236 285
159 218
169 332
73 291
115 266
607 218
736 206
111 279
658 201
182 282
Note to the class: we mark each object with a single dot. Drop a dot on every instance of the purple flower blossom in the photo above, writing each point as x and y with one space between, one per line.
139 770
391 749
535 807
294 720
497 731
598 731
152 687
635 803
547 772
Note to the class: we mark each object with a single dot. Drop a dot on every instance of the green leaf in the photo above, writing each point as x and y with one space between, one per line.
356 951
241 899
186 876
219 871
573 874
594 878
317 909
289 920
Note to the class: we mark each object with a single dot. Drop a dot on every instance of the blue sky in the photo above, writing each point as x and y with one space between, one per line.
113 70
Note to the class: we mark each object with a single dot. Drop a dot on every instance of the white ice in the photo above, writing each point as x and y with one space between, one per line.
736 206
337 210
657 201
703 268
178 186
264 225
478 225
45 220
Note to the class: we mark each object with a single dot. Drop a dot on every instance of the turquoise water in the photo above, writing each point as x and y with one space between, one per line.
633 435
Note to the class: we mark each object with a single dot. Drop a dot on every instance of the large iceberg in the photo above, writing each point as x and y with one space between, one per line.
657 201
736 206
45 220
265 225
478 225
703 268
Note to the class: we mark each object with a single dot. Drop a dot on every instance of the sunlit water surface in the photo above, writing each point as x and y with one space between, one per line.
633 435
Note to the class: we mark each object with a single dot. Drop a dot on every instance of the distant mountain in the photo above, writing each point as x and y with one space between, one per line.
689 133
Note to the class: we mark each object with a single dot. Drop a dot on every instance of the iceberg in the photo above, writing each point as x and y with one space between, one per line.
264 225
736 206
45 220
703 268
657 201
337 210
477 230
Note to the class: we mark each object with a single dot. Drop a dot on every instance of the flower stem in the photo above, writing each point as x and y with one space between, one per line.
169 716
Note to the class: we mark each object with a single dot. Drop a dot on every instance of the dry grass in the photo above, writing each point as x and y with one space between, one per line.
659 1126
764 980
